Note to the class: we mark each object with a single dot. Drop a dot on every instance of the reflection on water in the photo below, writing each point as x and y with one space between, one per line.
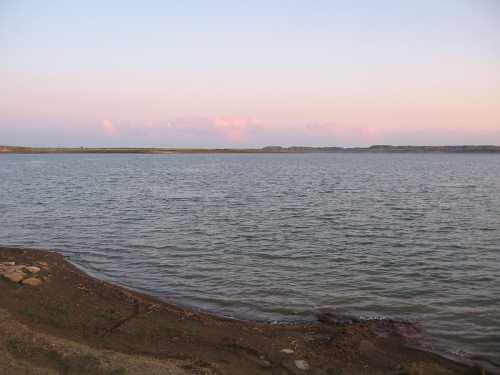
414 236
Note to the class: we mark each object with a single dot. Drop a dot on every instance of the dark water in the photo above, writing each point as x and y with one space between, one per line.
413 236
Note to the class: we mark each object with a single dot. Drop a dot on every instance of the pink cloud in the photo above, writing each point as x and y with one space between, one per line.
232 128
371 134
109 128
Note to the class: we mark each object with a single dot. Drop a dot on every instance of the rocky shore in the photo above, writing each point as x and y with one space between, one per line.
55 319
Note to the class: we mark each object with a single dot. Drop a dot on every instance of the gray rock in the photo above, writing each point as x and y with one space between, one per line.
292 368
264 363
302 365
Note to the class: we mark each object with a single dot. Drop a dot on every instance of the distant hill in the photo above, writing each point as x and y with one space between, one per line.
266 150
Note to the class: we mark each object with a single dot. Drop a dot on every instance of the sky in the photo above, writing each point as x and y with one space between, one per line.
249 74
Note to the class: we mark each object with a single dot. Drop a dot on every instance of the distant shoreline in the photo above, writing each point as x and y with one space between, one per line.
264 150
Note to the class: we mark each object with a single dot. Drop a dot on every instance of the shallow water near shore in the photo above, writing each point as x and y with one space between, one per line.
278 237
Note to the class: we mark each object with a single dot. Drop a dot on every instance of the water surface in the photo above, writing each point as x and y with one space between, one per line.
411 236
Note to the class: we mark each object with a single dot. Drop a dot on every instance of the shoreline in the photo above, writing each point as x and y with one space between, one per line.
106 318
461 149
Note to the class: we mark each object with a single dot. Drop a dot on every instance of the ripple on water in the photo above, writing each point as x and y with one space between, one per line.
278 237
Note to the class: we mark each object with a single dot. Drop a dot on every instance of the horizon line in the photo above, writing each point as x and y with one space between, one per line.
265 149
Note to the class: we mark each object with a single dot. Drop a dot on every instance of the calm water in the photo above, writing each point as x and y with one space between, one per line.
413 236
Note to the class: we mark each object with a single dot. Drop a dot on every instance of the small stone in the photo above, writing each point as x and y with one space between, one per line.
33 269
286 351
14 276
32 281
264 363
302 365
7 263
19 267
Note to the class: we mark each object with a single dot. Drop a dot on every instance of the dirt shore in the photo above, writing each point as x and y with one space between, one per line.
72 323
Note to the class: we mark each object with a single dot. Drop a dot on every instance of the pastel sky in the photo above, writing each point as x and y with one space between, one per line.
249 73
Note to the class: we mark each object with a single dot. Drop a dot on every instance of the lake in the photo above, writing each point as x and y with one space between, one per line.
279 237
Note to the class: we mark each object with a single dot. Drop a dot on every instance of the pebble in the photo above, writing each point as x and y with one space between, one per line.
302 365
43 264
32 281
264 363
17 273
14 276
33 269
286 351
14 268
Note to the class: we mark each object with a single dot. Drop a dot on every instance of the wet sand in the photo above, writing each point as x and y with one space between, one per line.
75 324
